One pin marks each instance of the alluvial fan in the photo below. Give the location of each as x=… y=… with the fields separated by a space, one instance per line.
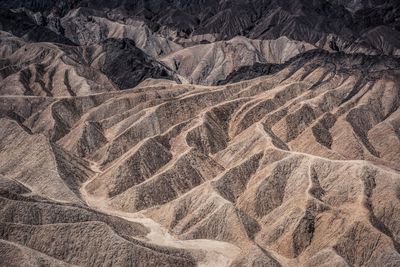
x=200 y=133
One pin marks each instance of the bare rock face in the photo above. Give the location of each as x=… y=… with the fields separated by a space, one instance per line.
x=210 y=63
x=45 y=69
x=137 y=66
x=164 y=26
x=298 y=167
x=29 y=26
x=199 y=133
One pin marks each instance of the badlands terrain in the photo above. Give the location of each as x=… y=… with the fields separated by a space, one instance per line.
x=199 y=133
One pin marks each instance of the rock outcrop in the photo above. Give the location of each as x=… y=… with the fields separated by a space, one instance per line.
x=298 y=167
x=199 y=133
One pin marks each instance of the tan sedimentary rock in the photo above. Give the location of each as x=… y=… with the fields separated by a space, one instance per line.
x=210 y=63
x=296 y=168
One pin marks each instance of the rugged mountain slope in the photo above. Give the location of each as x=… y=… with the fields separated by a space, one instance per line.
x=57 y=70
x=199 y=133
x=37 y=231
x=210 y=63
x=157 y=32
x=24 y=25
x=286 y=169
x=338 y=24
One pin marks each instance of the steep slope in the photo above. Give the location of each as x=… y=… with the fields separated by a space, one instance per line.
x=46 y=69
x=210 y=63
x=24 y=24
x=166 y=25
x=95 y=26
x=199 y=133
x=36 y=231
x=285 y=169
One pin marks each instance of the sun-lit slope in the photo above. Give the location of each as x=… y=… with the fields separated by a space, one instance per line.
x=210 y=63
x=48 y=69
x=37 y=231
x=299 y=167
x=199 y=133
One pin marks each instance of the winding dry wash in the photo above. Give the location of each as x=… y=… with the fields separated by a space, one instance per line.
x=199 y=133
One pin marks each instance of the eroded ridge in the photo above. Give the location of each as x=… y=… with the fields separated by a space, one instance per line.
x=300 y=167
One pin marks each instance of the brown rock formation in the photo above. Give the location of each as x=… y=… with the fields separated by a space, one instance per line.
x=199 y=133
x=295 y=168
